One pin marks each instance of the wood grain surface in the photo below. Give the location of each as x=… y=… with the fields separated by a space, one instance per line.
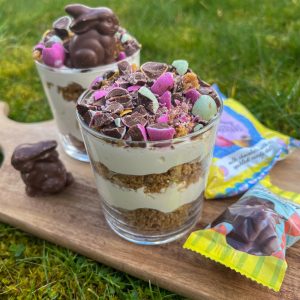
x=74 y=219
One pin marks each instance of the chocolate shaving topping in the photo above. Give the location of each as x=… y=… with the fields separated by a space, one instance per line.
x=126 y=102
x=135 y=133
x=137 y=78
x=147 y=103
x=154 y=69
x=108 y=75
x=144 y=104
x=141 y=110
x=120 y=95
x=130 y=47
x=122 y=82
x=116 y=93
x=100 y=119
x=124 y=68
x=82 y=108
x=100 y=102
x=116 y=132
x=87 y=117
x=114 y=107
x=134 y=119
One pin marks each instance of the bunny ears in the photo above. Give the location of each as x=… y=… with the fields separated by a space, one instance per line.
x=27 y=152
x=83 y=14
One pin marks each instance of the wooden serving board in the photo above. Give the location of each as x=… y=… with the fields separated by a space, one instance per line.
x=74 y=219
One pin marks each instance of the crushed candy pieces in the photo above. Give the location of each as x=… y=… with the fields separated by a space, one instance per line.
x=149 y=103
x=192 y=95
x=205 y=107
x=181 y=66
x=154 y=69
x=54 y=56
x=166 y=99
x=160 y=131
x=149 y=99
x=163 y=83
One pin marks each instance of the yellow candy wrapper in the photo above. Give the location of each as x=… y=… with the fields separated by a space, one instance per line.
x=252 y=235
x=245 y=151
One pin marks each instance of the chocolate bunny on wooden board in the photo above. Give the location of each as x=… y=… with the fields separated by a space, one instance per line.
x=93 y=43
x=41 y=170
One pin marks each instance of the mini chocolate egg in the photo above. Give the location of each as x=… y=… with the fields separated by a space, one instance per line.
x=205 y=107
x=181 y=66
x=144 y=91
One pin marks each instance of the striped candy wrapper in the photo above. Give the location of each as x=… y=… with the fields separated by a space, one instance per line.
x=252 y=235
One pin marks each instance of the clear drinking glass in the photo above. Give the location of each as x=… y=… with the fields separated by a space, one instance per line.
x=63 y=87
x=151 y=192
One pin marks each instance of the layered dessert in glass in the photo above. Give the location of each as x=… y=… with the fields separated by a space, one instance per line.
x=77 y=49
x=149 y=133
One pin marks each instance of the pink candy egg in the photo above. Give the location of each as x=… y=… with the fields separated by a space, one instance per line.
x=192 y=95
x=160 y=132
x=163 y=83
x=54 y=56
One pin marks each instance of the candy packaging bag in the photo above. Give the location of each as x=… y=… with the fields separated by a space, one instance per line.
x=252 y=235
x=245 y=151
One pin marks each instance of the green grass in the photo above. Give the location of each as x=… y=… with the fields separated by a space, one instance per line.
x=250 y=48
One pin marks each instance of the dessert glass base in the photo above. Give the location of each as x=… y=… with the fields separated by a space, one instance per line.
x=131 y=232
x=63 y=86
x=74 y=147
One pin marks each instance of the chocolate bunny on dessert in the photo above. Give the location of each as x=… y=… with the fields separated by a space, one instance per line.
x=93 y=43
x=41 y=170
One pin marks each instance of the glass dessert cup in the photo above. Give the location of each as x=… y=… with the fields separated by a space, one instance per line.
x=151 y=192
x=63 y=86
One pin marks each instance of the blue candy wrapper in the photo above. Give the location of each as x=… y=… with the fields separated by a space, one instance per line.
x=245 y=151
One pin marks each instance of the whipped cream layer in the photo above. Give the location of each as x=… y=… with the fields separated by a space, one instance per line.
x=53 y=78
x=167 y=201
x=143 y=161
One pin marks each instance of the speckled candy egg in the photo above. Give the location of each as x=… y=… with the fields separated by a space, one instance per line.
x=205 y=107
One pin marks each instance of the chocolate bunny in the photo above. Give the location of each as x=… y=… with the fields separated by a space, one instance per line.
x=254 y=226
x=93 y=43
x=41 y=170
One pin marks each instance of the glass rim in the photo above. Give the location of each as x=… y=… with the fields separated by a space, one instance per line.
x=189 y=136
x=66 y=70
